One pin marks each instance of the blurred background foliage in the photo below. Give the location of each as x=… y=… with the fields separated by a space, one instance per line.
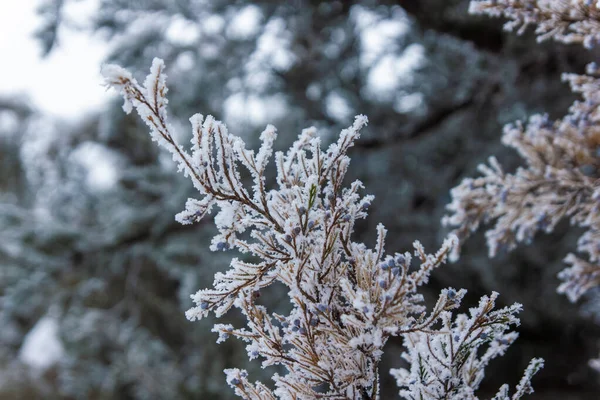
x=92 y=260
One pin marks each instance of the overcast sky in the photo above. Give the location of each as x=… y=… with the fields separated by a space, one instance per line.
x=65 y=83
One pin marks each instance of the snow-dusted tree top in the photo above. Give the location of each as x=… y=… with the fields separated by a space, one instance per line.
x=346 y=299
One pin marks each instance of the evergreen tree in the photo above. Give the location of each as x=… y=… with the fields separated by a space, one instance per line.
x=107 y=260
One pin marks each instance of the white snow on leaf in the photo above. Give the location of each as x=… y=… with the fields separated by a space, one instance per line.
x=273 y=48
x=9 y=122
x=379 y=35
x=100 y=163
x=42 y=347
x=337 y=107
x=182 y=31
x=246 y=23
x=392 y=72
x=258 y=110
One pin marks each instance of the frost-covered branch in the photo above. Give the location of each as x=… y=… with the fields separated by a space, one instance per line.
x=568 y=21
x=347 y=300
x=559 y=181
x=561 y=176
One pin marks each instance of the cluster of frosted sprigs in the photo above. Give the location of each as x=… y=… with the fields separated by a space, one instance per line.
x=347 y=299
x=568 y=21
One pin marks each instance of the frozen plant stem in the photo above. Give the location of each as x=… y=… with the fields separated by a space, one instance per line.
x=347 y=299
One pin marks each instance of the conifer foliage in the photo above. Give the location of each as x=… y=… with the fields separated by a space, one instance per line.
x=560 y=178
x=346 y=299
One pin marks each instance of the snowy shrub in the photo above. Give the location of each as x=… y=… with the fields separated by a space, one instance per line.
x=346 y=300
x=561 y=176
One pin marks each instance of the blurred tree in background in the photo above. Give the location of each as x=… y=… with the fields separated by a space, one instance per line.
x=89 y=243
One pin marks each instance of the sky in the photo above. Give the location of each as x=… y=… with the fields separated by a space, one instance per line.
x=67 y=82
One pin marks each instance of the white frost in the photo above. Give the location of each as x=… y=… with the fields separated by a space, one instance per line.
x=42 y=347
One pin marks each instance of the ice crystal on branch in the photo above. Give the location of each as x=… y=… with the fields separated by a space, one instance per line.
x=347 y=300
